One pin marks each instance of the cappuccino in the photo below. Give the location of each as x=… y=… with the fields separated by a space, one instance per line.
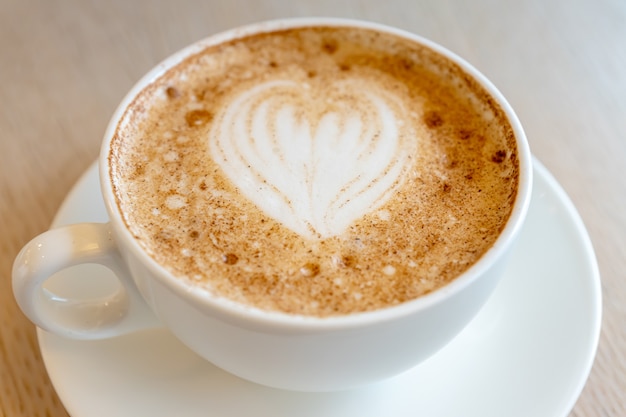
x=316 y=171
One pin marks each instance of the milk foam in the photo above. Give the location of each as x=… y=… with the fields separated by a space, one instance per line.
x=317 y=171
x=314 y=161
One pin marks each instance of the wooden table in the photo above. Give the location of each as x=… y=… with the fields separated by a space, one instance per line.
x=66 y=64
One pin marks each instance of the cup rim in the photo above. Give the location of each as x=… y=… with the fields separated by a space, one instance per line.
x=229 y=310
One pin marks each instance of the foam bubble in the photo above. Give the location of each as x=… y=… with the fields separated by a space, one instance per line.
x=171 y=156
x=175 y=202
x=384 y=215
x=389 y=270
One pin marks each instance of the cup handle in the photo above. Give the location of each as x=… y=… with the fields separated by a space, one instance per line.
x=121 y=312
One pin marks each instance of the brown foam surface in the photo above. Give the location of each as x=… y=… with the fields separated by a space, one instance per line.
x=447 y=210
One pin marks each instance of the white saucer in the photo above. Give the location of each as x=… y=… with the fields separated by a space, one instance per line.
x=528 y=353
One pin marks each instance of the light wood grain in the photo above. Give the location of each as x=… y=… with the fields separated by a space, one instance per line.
x=66 y=64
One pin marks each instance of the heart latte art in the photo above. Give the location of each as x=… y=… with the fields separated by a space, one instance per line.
x=313 y=161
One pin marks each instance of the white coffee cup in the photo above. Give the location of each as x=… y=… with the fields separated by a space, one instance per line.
x=270 y=348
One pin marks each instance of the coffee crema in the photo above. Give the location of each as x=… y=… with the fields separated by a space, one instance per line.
x=316 y=171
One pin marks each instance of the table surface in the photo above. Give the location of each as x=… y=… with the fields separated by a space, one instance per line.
x=66 y=64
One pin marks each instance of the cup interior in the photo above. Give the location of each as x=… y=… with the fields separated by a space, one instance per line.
x=234 y=311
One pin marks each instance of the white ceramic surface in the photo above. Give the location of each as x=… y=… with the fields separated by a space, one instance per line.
x=527 y=353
